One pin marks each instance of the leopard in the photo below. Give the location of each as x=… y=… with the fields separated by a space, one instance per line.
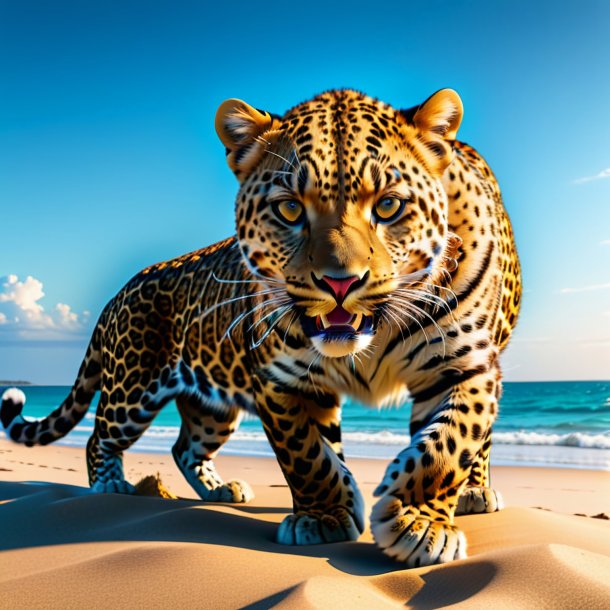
x=373 y=260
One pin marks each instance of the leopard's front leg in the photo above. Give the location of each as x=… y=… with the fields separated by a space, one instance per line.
x=478 y=496
x=327 y=504
x=413 y=519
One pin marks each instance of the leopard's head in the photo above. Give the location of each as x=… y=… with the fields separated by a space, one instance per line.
x=341 y=204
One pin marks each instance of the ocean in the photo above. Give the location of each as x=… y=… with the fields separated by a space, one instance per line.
x=552 y=424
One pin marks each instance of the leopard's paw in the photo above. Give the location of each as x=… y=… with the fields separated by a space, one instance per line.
x=237 y=492
x=318 y=528
x=112 y=486
x=479 y=500
x=407 y=535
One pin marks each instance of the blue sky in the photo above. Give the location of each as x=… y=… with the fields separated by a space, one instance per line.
x=109 y=160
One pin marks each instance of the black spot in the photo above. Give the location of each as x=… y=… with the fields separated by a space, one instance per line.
x=294 y=444
x=44 y=439
x=465 y=459
x=274 y=407
x=152 y=341
x=187 y=375
x=448 y=479
x=282 y=455
x=131 y=431
x=238 y=377
x=476 y=432
x=134 y=396
x=314 y=451
x=426 y=460
x=302 y=467
x=284 y=424
x=324 y=469
x=93 y=368
x=82 y=397
x=427 y=481
x=117 y=397
x=451 y=446
x=462 y=351
x=138 y=416
x=9 y=411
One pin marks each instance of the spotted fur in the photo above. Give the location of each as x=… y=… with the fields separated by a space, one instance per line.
x=286 y=318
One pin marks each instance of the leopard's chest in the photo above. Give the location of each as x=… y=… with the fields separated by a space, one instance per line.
x=377 y=379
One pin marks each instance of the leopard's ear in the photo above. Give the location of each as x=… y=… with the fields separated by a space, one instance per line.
x=242 y=129
x=438 y=120
x=441 y=114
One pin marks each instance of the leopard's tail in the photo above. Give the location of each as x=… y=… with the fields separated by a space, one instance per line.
x=66 y=416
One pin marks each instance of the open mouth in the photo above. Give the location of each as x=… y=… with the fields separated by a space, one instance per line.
x=337 y=325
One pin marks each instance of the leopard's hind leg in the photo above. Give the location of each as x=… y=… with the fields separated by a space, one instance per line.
x=105 y=466
x=120 y=421
x=478 y=496
x=202 y=434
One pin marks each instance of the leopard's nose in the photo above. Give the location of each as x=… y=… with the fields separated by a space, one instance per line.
x=339 y=287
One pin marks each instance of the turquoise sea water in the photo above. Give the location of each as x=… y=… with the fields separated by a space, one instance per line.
x=561 y=424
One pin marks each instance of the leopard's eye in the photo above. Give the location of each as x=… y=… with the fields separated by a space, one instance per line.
x=388 y=209
x=289 y=211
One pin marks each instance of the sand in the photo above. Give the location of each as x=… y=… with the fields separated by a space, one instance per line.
x=63 y=547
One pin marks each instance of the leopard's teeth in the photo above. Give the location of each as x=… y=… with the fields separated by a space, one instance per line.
x=325 y=321
x=357 y=321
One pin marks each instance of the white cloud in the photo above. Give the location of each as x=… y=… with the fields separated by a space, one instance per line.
x=22 y=313
x=605 y=242
x=585 y=288
x=605 y=173
x=66 y=317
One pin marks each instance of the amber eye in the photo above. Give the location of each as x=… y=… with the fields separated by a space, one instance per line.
x=289 y=211
x=388 y=209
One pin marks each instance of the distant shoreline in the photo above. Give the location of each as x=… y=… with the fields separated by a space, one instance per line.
x=5 y=383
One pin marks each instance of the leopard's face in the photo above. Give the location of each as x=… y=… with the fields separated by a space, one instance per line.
x=341 y=205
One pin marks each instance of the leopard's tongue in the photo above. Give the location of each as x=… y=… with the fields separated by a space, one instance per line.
x=339 y=317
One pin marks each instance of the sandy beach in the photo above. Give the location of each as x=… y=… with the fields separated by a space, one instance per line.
x=65 y=548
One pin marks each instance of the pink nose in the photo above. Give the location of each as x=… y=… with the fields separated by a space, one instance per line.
x=339 y=286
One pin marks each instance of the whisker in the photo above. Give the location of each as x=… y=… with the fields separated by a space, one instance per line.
x=438 y=328
x=294 y=317
x=228 y=281
x=434 y=300
x=396 y=321
x=242 y=297
x=314 y=360
x=282 y=304
x=401 y=313
x=244 y=314
x=267 y=332
x=280 y=157
x=247 y=313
